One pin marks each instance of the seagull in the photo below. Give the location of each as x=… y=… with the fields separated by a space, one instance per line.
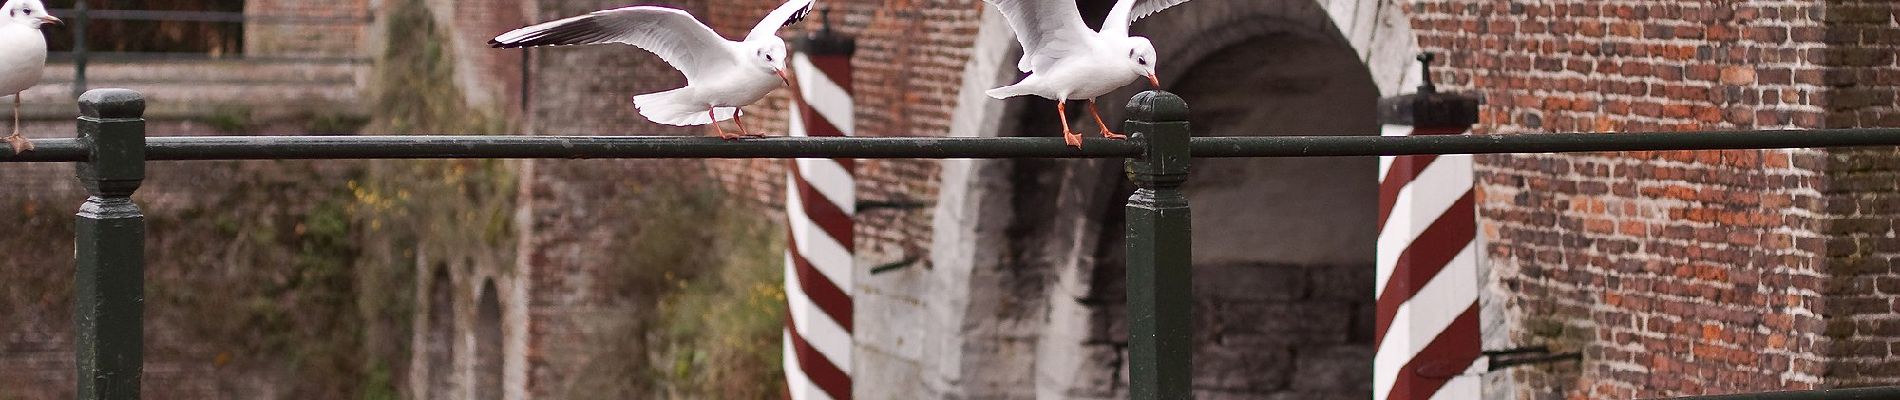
x=22 y=56
x=1068 y=61
x=721 y=75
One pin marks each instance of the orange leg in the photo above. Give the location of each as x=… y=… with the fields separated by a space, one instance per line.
x=1068 y=136
x=715 y=123
x=1098 y=122
x=742 y=130
x=19 y=143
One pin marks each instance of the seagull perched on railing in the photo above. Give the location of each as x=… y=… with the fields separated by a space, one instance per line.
x=1068 y=61
x=22 y=56
x=721 y=75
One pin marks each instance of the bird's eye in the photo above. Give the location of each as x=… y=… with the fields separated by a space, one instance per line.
x=1142 y=61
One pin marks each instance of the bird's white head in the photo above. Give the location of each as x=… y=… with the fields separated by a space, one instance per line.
x=29 y=12
x=769 y=55
x=1141 y=57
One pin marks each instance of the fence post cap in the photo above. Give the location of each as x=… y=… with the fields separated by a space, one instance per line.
x=1157 y=106
x=112 y=103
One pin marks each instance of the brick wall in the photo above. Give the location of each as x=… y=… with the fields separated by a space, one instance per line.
x=490 y=79
x=573 y=206
x=1862 y=251
x=908 y=56
x=1682 y=272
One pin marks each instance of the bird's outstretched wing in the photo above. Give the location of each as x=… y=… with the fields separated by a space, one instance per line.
x=672 y=34
x=785 y=15
x=1126 y=12
x=1048 y=30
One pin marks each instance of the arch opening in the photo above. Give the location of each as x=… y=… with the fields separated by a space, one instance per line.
x=1284 y=247
x=438 y=343
x=488 y=344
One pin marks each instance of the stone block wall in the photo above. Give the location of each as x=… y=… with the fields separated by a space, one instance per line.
x=341 y=37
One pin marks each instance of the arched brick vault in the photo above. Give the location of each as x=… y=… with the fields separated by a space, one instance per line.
x=1015 y=290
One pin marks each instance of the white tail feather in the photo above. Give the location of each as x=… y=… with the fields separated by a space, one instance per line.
x=1005 y=92
x=667 y=108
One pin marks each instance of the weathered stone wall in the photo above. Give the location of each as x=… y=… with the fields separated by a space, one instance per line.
x=570 y=211
x=1024 y=298
x=205 y=304
x=339 y=35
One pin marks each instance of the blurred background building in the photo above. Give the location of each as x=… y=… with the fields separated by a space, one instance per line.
x=1669 y=273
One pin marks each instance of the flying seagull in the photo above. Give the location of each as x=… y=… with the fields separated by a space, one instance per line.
x=721 y=75
x=1068 y=61
x=22 y=56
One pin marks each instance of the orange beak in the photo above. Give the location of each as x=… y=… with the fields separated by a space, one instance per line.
x=782 y=77
x=52 y=20
x=1152 y=80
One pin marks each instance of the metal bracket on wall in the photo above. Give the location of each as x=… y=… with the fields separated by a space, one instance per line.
x=896 y=265
x=895 y=204
x=1501 y=359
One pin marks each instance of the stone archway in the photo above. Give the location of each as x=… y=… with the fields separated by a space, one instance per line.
x=1027 y=252
x=1283 y=247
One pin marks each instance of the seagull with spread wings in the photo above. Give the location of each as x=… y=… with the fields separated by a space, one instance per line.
x=721 y=75
x=1067 y=61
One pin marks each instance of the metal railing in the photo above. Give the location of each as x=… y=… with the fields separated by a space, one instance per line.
x=111 y=152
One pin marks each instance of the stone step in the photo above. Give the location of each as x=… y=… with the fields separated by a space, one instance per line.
x=211 y=89
x=210 y=71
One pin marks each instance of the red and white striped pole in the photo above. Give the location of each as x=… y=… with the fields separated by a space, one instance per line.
x=820 y=198
x=1427 y=336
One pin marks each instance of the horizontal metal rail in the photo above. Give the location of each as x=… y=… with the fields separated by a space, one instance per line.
x=1866 y=393
x=401 y=147
x=214 y=16
x=415 y=147
x=1330 y=146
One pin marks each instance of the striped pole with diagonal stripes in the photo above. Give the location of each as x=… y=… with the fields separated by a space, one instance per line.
x=1426 y=335
x=820 y=198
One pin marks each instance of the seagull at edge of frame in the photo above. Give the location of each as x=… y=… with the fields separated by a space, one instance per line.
x=22 y=56
x=1067 y=61
x=721 y=75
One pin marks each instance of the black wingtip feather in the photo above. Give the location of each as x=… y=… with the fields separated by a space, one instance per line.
x=581 y=31
x=798 y=16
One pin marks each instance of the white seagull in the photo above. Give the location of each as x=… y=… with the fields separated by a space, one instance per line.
x=721 y=75
x=1068 y=61
x=22 y=56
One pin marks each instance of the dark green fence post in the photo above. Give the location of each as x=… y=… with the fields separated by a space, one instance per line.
x=110 y=246
x=1160 y=301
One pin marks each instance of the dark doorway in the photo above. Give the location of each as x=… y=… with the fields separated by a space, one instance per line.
x=488 y=344
x=439 y=343
x=1283 y=247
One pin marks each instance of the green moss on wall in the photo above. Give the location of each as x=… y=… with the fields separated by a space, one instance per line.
x=715 y=276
